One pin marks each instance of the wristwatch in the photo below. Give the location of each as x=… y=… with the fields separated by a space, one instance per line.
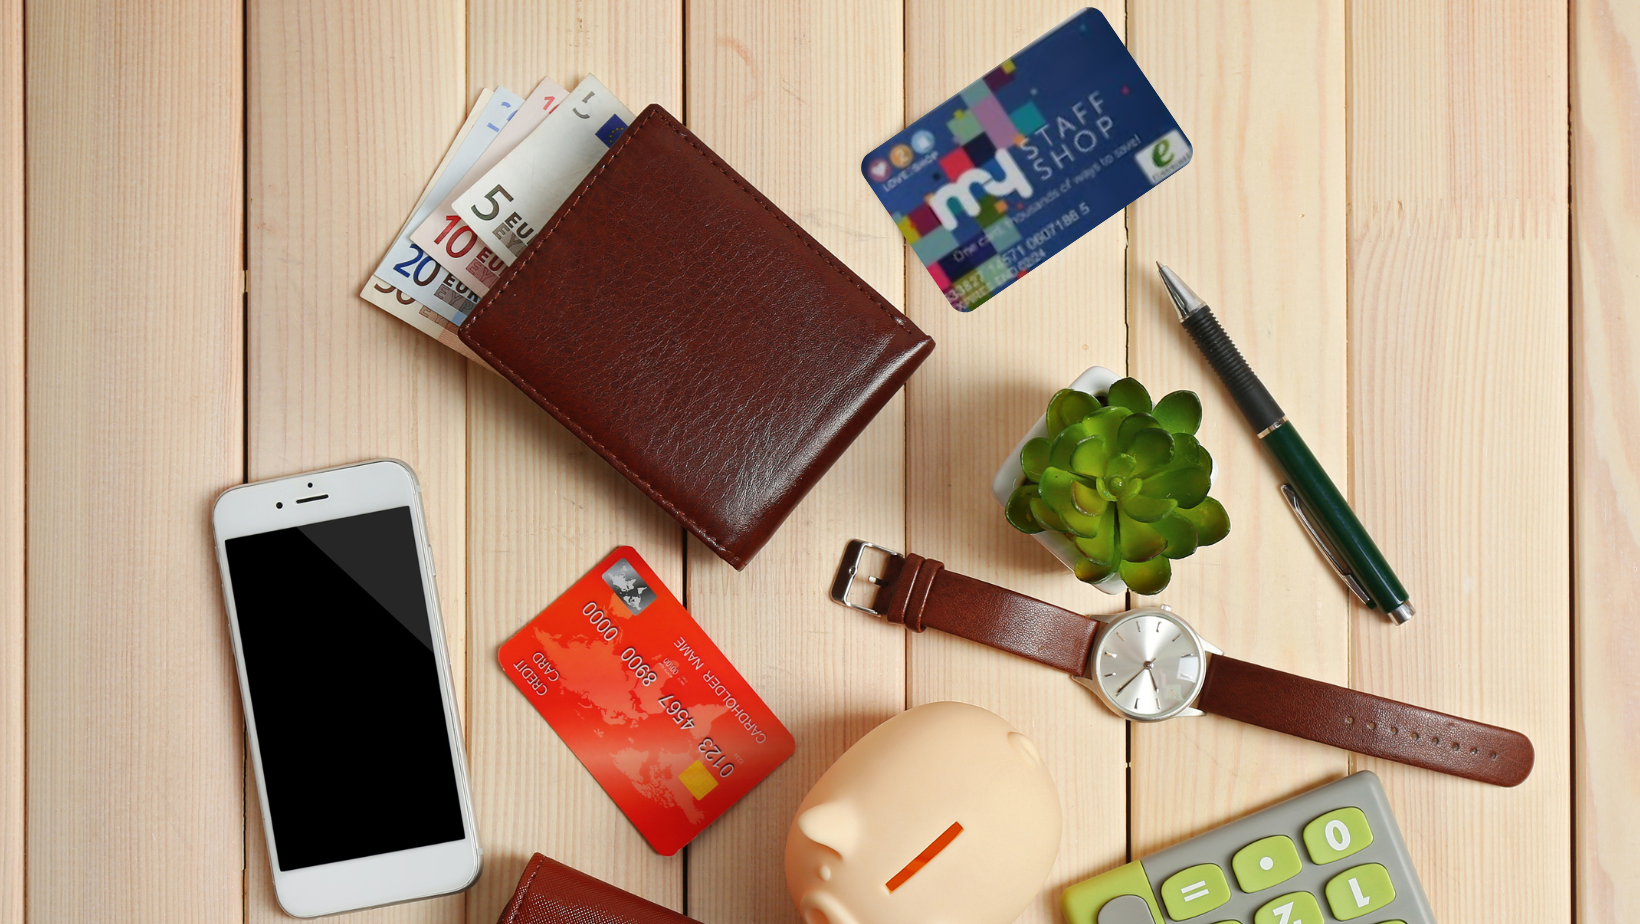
x=1148 y=664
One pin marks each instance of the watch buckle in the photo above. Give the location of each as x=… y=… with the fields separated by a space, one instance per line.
x=849 y=569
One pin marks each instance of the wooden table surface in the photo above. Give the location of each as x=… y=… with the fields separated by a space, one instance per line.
x=1420 y=220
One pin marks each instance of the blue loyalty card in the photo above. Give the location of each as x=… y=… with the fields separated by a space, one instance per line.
x=1026 y=159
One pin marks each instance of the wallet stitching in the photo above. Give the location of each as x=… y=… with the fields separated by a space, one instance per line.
x=594 y=442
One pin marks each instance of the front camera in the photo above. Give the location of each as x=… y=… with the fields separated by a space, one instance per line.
x=279 y=506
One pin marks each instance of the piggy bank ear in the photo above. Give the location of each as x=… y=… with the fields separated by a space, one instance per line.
x=1025 y=749
x=832 y=824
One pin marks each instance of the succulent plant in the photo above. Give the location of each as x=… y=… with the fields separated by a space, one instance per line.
x=1124 y=480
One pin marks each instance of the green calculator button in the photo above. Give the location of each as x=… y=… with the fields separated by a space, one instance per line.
x=1195 y=891
x=1125 y=909
x=1360 y=890
x=1266 y=862
x=1292 y=908
x=1337 y=834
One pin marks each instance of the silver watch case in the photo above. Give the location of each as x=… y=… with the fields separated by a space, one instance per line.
x=1188 y=706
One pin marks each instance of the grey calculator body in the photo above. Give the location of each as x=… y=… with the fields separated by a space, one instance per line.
x=1339 y=845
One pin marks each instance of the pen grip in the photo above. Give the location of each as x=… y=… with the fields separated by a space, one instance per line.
x=1343 y=528
x=1250 y=395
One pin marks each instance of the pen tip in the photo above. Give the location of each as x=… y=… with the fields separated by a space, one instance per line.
x=1186 y=301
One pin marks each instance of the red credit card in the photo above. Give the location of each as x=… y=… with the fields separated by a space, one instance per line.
x=648 y=704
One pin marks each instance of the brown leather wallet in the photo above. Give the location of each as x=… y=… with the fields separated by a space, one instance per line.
x=551 y=893
x=921 y=593
x=686 y=330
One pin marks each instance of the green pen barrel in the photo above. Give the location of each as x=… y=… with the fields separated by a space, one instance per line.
x=1333 y=514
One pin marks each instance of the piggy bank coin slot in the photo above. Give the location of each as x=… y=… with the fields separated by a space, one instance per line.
x=922 y=859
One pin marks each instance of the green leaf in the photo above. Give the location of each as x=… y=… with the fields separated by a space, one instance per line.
x=1205 y=461
x=1130 y=429
x=1068 y=406
x=1186 y=485
x=1045 y=515
x=1056 y=492
x=1018 y=509
x=1101 y=547
x=1153 y=448
x=1186 y=448
x=1139 y=541
x=1147 y=509
x=1051 y=418
x=1055 y=489
x=1079 y=524
x=1033 y=458
x=1179 y=412
x=1076 y=405
x=1059 y=454
x=1088 y=500
x=1148 y=577
x=1090 y=456
x=1106 y=421
x=1130 y=394
x=1210 y=520
x=1092 y=572
x=1120 y=465
x=1180 y=534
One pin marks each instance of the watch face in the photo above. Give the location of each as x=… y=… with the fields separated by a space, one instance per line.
x=1148 y=664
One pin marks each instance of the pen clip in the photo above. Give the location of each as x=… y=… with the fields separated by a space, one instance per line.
x=1327 y=551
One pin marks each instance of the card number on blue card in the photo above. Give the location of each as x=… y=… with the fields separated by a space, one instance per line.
x=1027 y=159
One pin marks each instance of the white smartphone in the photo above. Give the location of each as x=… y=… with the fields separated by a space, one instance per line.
x=345 y=678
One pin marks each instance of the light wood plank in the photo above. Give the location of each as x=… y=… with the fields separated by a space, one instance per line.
x=792 y=95
x=135 y=410
x=1255 y=224
x=351 y=107
x=1458 y=377
x=12 y=505
x=985 y=385
x=543 y=508
x=1606 y=456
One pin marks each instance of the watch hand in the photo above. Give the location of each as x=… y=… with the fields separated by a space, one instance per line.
x=1131 y=679
x=1155 y=688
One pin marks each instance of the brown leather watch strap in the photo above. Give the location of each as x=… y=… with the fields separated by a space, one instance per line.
x=1364 y=723
x=919 y=593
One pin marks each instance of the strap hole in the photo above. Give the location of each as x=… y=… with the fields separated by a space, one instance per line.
x=1494 y=755
x=1474 y=751
x=1349 y=720
x=1433 y=739
x=1414 y=736
x=1395 y=729
x=1372 y=725
x=1454 y=745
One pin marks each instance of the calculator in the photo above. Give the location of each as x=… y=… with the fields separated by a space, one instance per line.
x=1332 y=854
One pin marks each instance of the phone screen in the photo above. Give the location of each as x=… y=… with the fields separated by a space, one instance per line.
x=344 y=689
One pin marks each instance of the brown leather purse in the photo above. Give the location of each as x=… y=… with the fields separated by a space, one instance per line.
x=551 y=893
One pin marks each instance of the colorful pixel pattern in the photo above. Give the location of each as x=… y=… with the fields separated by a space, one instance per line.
x=967 y=263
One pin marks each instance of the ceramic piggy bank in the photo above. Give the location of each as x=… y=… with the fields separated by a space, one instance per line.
x=942 y=815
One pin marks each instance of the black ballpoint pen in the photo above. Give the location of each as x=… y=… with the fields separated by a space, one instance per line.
x=1320 y=507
